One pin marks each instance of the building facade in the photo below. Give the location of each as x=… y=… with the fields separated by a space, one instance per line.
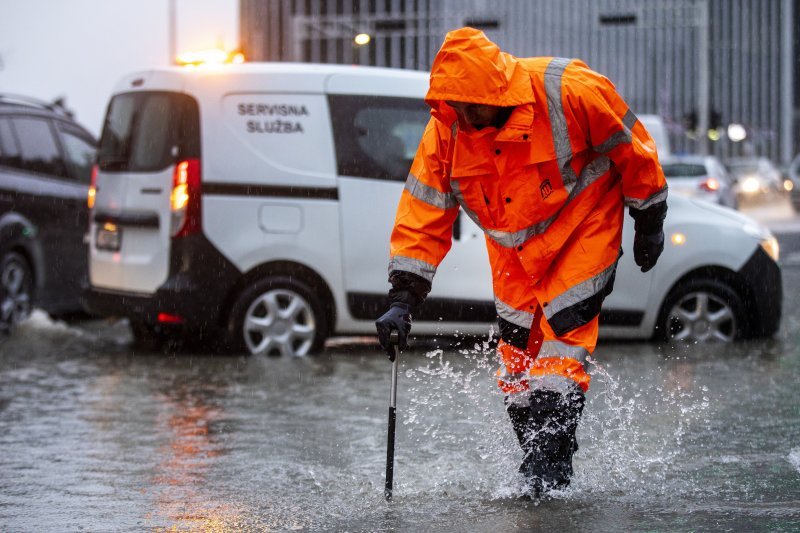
x=700 y=64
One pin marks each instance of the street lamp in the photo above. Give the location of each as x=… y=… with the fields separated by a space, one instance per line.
x=362 y=39
x=736 y=132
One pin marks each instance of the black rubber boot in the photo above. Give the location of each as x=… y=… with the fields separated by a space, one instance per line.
x=546 y=432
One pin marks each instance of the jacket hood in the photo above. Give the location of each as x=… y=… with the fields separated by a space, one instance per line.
x=471 y=68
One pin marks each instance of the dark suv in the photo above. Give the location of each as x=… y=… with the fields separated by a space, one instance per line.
x=45 y=170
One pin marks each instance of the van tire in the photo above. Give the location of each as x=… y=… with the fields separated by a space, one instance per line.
x=277 y=315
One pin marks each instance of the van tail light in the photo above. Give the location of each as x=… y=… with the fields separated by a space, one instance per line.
x=710 y=185
x=185 y=199
x=169 y=318
x=92 y=194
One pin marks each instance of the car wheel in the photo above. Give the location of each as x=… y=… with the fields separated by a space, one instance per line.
x=16 y=290
x=702 y=310
x=277 y=316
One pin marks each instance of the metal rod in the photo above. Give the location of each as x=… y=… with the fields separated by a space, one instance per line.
x=387 y=491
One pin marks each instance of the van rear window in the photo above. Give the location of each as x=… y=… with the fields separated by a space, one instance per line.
x=377 y=136
x=149 y=131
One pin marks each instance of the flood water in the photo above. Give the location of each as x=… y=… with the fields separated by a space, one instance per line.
x=96 y=435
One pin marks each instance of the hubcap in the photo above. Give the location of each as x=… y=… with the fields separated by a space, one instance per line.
x=701 y=316
x=279 y=322
x=15 y=305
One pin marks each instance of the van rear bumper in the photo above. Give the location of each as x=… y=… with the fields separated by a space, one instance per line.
x=193 y=306
x=199 y=282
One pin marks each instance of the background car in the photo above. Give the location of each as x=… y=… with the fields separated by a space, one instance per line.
x=794 y=177
x=45 y=169
x=755 y=179
x=702 y=177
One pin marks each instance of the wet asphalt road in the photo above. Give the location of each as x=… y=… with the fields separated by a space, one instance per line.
x=96 y=435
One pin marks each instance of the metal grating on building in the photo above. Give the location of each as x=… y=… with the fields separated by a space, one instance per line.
x=699 y=64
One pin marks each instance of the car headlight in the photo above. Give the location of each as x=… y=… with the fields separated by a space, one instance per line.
x=770 y=245
x=751 y=184
x=765 y=238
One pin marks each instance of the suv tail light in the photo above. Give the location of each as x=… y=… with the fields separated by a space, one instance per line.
x=710 y=185
x=90 y=196
x=185 y=199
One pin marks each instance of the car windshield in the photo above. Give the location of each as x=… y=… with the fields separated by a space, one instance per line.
x=683 y=170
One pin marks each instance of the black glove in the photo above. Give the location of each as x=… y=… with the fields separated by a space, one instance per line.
x=647 y=247
x=398 y=317
x=648 y=237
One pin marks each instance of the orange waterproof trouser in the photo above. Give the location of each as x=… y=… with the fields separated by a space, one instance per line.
x=518 y=365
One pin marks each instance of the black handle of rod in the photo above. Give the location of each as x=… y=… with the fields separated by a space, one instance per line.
x=387 y=491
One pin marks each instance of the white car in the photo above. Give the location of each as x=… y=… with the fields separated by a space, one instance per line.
x=794 y=177
x=254 y=203
x=755 y=178
x=701 y=177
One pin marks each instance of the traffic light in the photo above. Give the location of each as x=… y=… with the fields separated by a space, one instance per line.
x=690 y=121
x=714 y=119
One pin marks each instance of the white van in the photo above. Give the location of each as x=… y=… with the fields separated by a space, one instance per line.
x=255 y=202
x=655 y=126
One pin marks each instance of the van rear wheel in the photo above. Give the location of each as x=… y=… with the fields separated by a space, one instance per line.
x=277 y=316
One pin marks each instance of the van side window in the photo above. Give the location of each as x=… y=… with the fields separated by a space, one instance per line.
x=377 y=136
x=38 y=149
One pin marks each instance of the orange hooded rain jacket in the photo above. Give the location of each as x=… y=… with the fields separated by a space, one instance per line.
x=548 y=189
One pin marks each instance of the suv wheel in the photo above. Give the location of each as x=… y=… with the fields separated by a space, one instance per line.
x=277 y=316
x=702 y=310
x=16 y=290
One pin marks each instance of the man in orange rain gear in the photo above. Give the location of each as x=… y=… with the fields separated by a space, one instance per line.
x=543 y=154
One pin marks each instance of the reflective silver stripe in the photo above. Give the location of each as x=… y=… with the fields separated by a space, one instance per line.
x=562 y=349
x=579 y=292
x=515 y=316
x=521 y=398
x=590 y=173
x=636 y=203
x=512 y=239
x=629 y=119
x=429 y=195
x=621 y=137
x=415 y=266
x=553 y=382
x=558 y=121
x=507 y=377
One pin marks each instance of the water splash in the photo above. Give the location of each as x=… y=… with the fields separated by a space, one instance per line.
x=794 y=458
x=631 y=437
x=631 y=444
